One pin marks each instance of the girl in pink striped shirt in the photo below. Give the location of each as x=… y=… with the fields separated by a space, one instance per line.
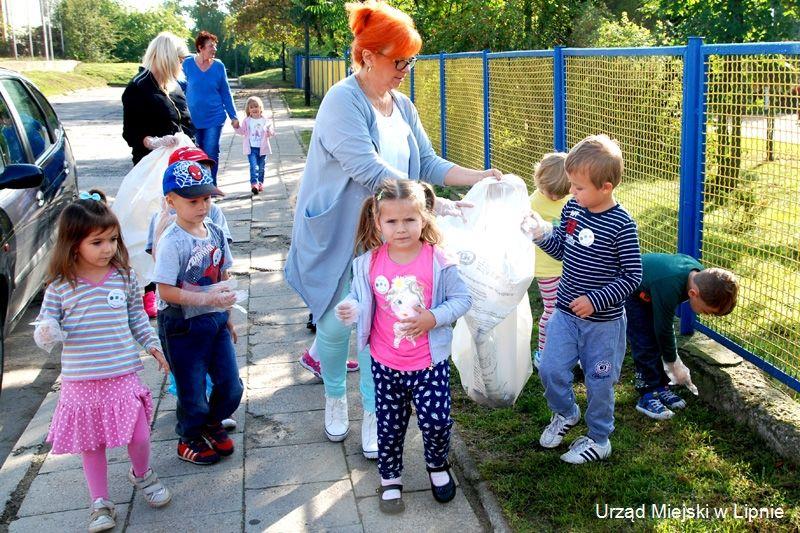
x=93 y=304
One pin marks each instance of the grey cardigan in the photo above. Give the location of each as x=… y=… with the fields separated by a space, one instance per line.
x=450 y=299
x=343 y=167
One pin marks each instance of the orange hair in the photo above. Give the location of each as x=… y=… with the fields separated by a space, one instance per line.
x=379 y=27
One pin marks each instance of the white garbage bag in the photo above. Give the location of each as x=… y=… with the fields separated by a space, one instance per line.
x=138 y=199
x=491 y=343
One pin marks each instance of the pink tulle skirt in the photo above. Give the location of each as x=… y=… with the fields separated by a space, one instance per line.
x=98 y=412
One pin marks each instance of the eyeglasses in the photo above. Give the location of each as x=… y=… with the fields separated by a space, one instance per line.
x=401 y=64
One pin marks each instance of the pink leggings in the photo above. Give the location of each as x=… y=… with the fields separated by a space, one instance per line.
x=95 y=467
x=548 y=287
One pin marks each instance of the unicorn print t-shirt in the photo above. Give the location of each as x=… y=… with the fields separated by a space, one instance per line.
x=398 y=289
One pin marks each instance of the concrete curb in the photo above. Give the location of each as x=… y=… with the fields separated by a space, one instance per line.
x=494 y=513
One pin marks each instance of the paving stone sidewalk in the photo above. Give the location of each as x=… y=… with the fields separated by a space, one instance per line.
x=285 y=475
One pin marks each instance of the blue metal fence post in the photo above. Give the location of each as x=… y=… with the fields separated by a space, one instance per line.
x=692 y=146
x=559 y=100
x=487 y=147
x=443 y=104
x=411 y=86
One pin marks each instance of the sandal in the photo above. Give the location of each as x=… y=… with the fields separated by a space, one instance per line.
x=102 y=516
x=156 y=494
x=393 y=506
x=444 y=493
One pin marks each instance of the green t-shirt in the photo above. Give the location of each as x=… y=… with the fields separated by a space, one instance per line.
x=664 y=284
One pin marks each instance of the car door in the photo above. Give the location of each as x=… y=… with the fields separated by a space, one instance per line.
x=33 y=246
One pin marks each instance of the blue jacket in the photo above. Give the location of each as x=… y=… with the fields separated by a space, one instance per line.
x=208 y=94
x=450 y=299
x=343 y=167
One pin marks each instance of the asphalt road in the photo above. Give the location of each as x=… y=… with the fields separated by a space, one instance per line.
x=93 y=120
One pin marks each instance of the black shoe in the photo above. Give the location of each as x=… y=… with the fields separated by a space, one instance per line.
x=310 y=324
x=254 y=189
x=447 y=492
x=391 y=506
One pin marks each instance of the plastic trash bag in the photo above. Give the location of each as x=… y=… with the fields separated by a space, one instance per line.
x=496 y=262
x=138 y=199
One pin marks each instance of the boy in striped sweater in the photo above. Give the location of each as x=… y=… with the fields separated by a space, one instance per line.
x=598 y=244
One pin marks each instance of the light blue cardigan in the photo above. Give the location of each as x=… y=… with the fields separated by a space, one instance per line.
x=343 y=167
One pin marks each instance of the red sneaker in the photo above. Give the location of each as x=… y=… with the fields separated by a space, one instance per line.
x=310 y=364
x=149 y=302
x=260 y=187
x=218 y=438
x=352 y=366
x=197 y=452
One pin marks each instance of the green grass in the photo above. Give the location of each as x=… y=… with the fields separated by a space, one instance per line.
x=294 y=98
x=55 y=83
x=267 y=78
x=698 y=458
x=295 y=101
x=305 y=138
x=114 y=74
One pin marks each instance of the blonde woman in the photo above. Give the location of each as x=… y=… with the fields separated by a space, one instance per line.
x=153 y=104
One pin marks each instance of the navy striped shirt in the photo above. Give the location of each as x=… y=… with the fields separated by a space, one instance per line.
x=601 y=258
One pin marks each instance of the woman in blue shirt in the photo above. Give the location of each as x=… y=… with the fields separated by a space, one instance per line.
x=208 y=95
x=365 y=132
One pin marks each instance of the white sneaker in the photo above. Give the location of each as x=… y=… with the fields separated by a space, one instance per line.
x=584 y=450
x=102 y=516
x=337 y=422
x=369 y=435
x=156 y=494
x=554 y=433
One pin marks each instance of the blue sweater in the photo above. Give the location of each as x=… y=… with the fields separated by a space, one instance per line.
x=343 y=168
x=208 y=94
x=601 y=258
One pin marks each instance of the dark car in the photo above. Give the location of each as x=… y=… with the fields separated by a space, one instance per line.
x=37 y=180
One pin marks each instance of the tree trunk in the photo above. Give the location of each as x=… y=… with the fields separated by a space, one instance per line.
x=283 y=60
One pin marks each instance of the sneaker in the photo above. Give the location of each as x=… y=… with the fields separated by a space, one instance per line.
x=352 y=366
x=102 y=516
x=149 y=303
x=669 y=398
x=229 y=424
x=254 y=188
x=554 y=433
x=584 y=450
x=260 y=186
x=650 y=405
x=537 y=359
x=310 y=364
x=218 y=438
x=197 y=451
x=369 y=435
x=156 y=494
x=337 y=422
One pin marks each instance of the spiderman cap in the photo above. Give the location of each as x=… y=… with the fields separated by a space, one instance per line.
x=189 y=180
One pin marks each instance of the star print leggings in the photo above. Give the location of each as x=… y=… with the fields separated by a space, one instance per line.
x=395 y=390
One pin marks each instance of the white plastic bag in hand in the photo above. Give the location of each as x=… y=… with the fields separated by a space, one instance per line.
x=535 y=228
x=47 y=334
x=679 y=374
x=347 y=311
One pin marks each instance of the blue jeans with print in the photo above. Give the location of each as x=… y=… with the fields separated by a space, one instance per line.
x=208 y=141
x=195 y=347
x=600 y=347
x=395 y=390
x=649 y=372
x=257 y=164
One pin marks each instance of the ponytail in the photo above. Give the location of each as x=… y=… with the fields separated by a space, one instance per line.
x=367 y=235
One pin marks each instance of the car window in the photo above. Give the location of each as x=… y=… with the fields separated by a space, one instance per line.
x=49 y=113
x=33 y=121
x=10 y=143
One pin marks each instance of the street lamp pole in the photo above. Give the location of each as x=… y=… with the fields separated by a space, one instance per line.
x=307 y=83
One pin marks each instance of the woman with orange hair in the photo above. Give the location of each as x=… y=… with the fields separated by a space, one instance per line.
x=366 y=132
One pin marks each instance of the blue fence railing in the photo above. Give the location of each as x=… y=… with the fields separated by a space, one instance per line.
x=711 y=139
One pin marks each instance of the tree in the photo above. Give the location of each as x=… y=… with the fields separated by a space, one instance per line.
x=90 y=28
x=136 y=29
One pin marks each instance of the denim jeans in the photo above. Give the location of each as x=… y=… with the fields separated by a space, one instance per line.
x=195 y=347
x=257 y=164
x=600 y=347
x=208 y=141
x=648 y=369
x=333 y=345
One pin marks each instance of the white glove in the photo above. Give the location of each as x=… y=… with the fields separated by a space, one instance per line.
x=447 y=208
x=47 y=334
x=347 y=311
x=220 y=297
x=151 y=143
x=679 y=374
x=535 y=228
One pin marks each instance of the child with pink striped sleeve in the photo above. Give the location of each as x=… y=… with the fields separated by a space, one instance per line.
x=549 y=198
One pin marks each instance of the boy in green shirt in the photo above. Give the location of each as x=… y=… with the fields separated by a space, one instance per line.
x=667 y=281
